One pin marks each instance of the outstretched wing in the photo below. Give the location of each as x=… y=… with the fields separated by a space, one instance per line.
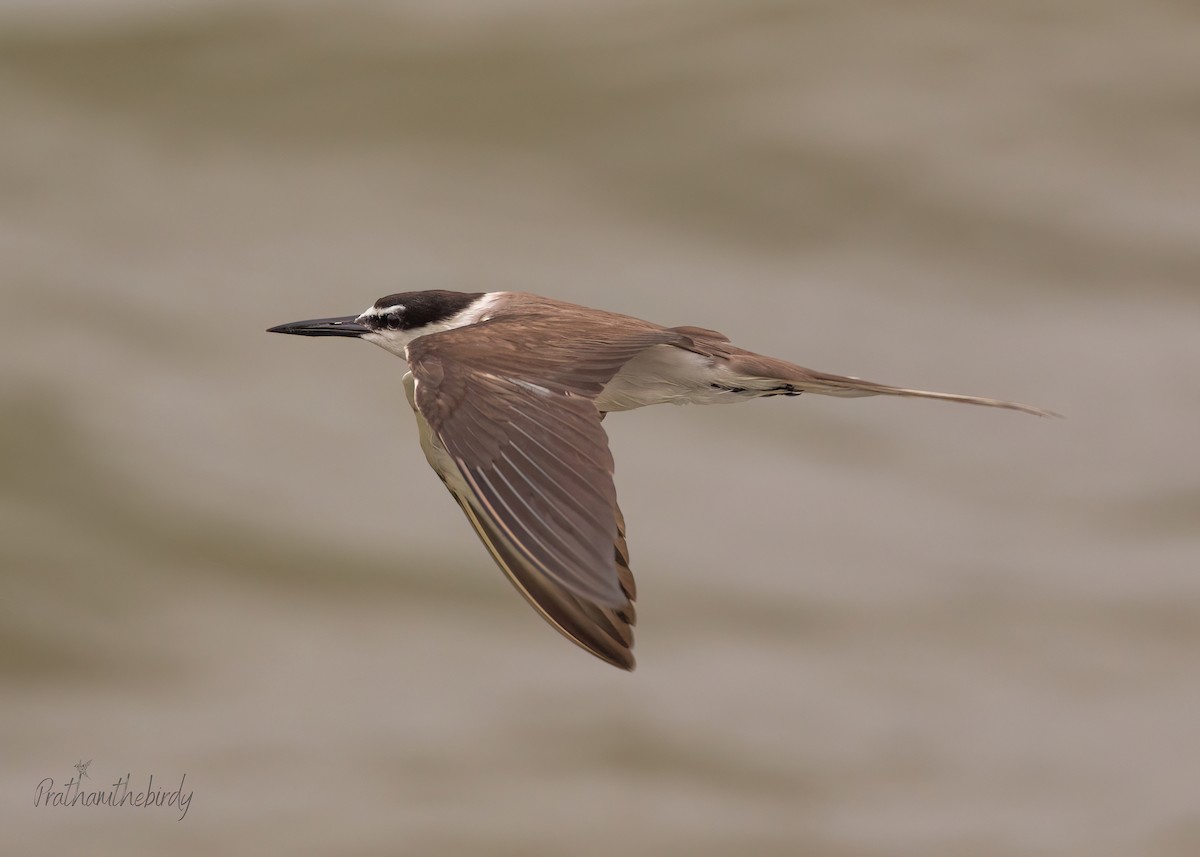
x=517 y=439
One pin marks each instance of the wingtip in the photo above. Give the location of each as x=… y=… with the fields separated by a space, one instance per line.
x=623 y=661
x=612 y=652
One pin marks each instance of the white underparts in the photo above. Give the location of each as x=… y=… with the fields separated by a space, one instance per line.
x=666 y=374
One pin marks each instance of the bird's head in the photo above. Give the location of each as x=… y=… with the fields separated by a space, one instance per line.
x=393 y=321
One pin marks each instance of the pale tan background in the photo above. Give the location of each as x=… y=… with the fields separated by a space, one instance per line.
x=867 y=627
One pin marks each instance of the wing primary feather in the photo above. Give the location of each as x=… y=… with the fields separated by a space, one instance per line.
x=567 y=435
x=491 y=495
x=574 y=554
x=563 y=564
x=560 y=492
x=564 y=613
x=573 y=515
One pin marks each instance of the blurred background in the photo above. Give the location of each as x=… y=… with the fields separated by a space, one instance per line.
x=868 y=627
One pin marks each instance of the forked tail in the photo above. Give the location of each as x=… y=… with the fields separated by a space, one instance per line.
x=843 y=385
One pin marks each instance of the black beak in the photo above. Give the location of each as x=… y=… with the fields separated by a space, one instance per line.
x=347 y=325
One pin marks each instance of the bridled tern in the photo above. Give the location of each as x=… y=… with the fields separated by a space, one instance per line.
x=509 y=391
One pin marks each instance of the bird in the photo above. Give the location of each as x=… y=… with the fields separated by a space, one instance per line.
x=510 y=390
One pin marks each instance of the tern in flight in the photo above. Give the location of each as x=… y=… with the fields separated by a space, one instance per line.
x=509 y=390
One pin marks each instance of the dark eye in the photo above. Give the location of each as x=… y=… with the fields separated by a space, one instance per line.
x=393 y=321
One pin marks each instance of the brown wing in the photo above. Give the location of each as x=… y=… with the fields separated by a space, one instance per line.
x=606 y=632
x=522 y=431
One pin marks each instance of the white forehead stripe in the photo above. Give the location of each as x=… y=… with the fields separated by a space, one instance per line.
x=373 y=310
